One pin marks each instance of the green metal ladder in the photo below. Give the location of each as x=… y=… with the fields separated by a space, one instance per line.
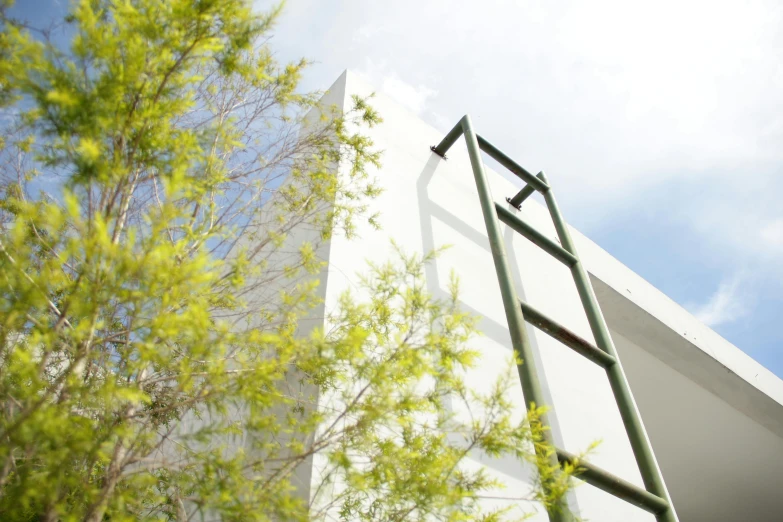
x=654 y=498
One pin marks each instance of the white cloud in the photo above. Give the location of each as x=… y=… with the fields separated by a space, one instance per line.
x=412 y=97
x=729 y=303
x=366 y=32
x=605 y=95
x=772 y=234
x=618 y=101
x=744 y=230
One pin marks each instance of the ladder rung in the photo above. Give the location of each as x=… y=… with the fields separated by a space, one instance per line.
x=511 y=165
x=566 y=336
x=549 y=246
x=614 y=485
x=522 y=195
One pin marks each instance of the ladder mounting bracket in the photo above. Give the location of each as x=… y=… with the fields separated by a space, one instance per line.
x=433 y=149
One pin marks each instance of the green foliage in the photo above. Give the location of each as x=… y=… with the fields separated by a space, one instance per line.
x=154 y=362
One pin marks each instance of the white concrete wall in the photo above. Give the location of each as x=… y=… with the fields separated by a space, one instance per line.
x=719 y=464
x=266 y=288
x=691 y=381
x=429 y=202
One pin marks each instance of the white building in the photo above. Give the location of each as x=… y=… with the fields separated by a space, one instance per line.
x=713 y=415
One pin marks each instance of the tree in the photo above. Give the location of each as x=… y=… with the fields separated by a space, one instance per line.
x=153 y=358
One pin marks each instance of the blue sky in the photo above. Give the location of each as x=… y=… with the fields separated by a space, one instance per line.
x=660 y=124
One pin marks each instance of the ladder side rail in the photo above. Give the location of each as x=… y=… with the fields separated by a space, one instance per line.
x=640 y=443
x=528 y=376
